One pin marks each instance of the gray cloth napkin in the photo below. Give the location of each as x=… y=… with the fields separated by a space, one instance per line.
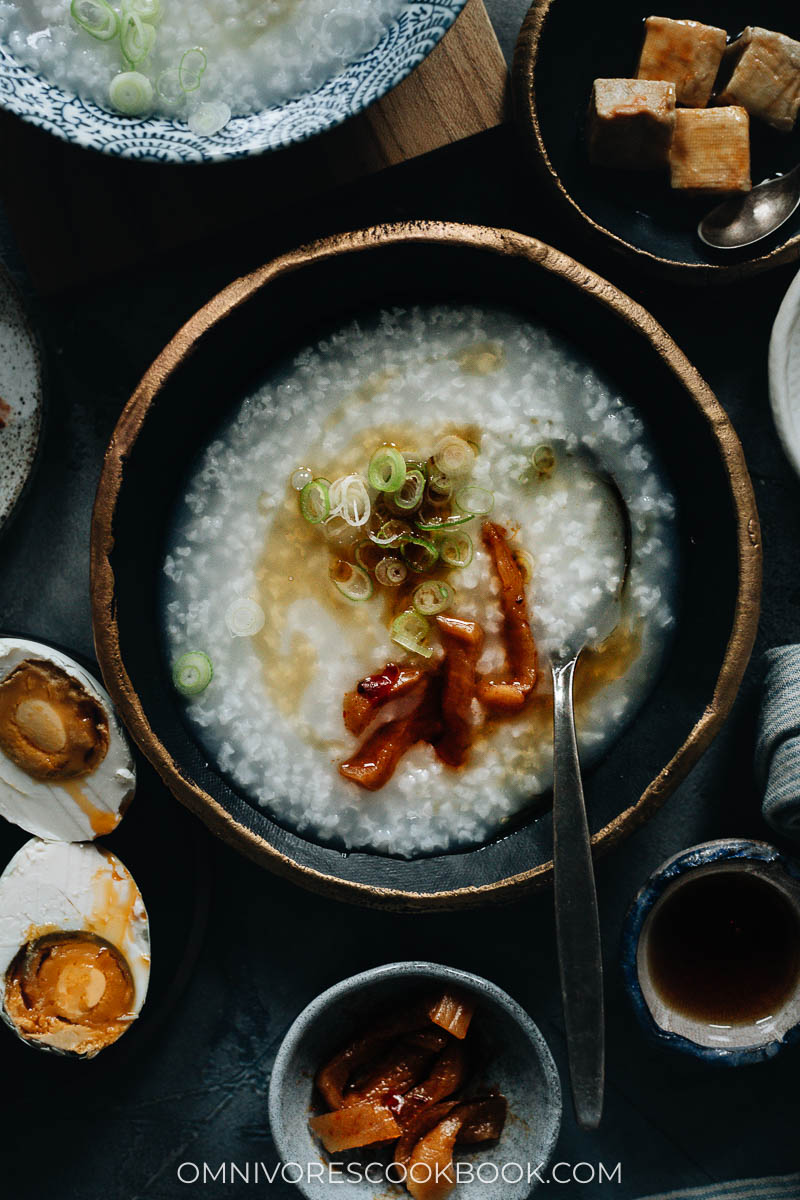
x=775 y=1187
x=778 y=743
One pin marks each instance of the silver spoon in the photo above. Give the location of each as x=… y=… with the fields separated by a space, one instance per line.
x=748 y=218
x=577 y=921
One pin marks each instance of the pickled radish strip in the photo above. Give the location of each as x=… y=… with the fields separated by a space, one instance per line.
x=453 y=1012
x=359 y=1125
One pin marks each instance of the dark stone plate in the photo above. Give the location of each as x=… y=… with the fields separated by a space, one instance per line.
x=223 y=353
x=562 y=48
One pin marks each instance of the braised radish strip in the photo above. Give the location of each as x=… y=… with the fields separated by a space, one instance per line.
x=462 y=642
x=374 y=691
x=521 y=657
x=376 y=760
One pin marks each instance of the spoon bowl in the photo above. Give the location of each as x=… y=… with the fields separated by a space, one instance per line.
x=743 y=220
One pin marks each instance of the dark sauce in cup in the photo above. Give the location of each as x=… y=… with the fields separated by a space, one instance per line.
x=725 y=948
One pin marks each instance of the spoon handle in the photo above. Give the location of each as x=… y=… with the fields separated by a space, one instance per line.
x=577 y=922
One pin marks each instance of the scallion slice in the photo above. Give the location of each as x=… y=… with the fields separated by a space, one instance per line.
x=410 y=630
x=454 y=457
x=391 y=533
x=137 y=38
x=192 y=673
x=391 y=572
x=409 y=496
x=351 y=580
x=168 y=86
x=368 y=555
x=434 y=524
x=192 y=69
x=455 y=548
x=432 y=597
x=315 y=501
x=244 y=617
x=387 y=470
x=96 y=17
x=543 y=459
x=209 y=118
x=148 y=10
x=419 y=553
x=350 y=499
x=474 y=500
x=131 y=93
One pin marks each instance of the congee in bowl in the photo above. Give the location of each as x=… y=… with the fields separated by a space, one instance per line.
x=375 y=558
x=350 y=513
x=202 y=60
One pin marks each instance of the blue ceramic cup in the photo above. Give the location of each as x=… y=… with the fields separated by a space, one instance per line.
x=683 y=1027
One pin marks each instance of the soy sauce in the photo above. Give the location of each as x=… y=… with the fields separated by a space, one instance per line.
x=725 y=949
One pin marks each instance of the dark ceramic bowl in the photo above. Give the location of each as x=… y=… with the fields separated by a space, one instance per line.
x=519 y=1063
x=563 y=47
x=225 y=350
x=735 y=1044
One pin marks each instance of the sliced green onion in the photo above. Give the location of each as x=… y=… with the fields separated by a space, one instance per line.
x=148 y=10
x=453 y=456
x=337 y=531
x=169 y=87
x=137 y=38
x=299 y=478
x=351 y=580
x=209 y=118
x=192 y=69
x=387 y=470
x=440 y=486
x=391 y=533
x=192 y=673
x=455 y=548
x=525 y=563
x=432 y=597
x=244 y=617
x=315 y=501
x=543 y=459
x=96 y=17
x=350 y=499
x=131 y=93
x=368 y=555
x=441 y=523
x=410 y=630
x=409 y=496
x=474 y=500
x=416 y=464
x=419 y=553
x=391 y=572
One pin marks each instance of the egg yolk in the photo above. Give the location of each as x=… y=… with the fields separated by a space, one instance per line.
x=50 y=726
x=70 y=990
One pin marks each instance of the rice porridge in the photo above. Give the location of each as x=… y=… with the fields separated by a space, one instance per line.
x=199 y=59
x=360 y=657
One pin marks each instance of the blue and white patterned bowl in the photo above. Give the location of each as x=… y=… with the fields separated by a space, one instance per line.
x=735 y=1045
x=405 y=43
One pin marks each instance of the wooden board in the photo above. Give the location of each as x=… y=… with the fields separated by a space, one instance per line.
x=79 y=215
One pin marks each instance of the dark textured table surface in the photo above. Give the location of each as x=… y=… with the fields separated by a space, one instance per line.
x=195 y=1089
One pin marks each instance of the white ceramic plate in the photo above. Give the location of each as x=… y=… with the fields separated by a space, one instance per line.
x=20 y=397
x=784 y=373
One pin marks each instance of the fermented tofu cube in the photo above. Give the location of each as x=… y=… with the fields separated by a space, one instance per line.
x=765 y=76
x=686 y=53
x=630 y=123
x=710 y=151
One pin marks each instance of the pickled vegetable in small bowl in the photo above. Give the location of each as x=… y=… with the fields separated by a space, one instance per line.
x=510 y=1060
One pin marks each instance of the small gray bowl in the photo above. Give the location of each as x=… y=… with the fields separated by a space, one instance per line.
x=519 y=1064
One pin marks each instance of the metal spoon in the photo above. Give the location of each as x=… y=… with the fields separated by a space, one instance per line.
x=577 y=920
x=748 y=218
